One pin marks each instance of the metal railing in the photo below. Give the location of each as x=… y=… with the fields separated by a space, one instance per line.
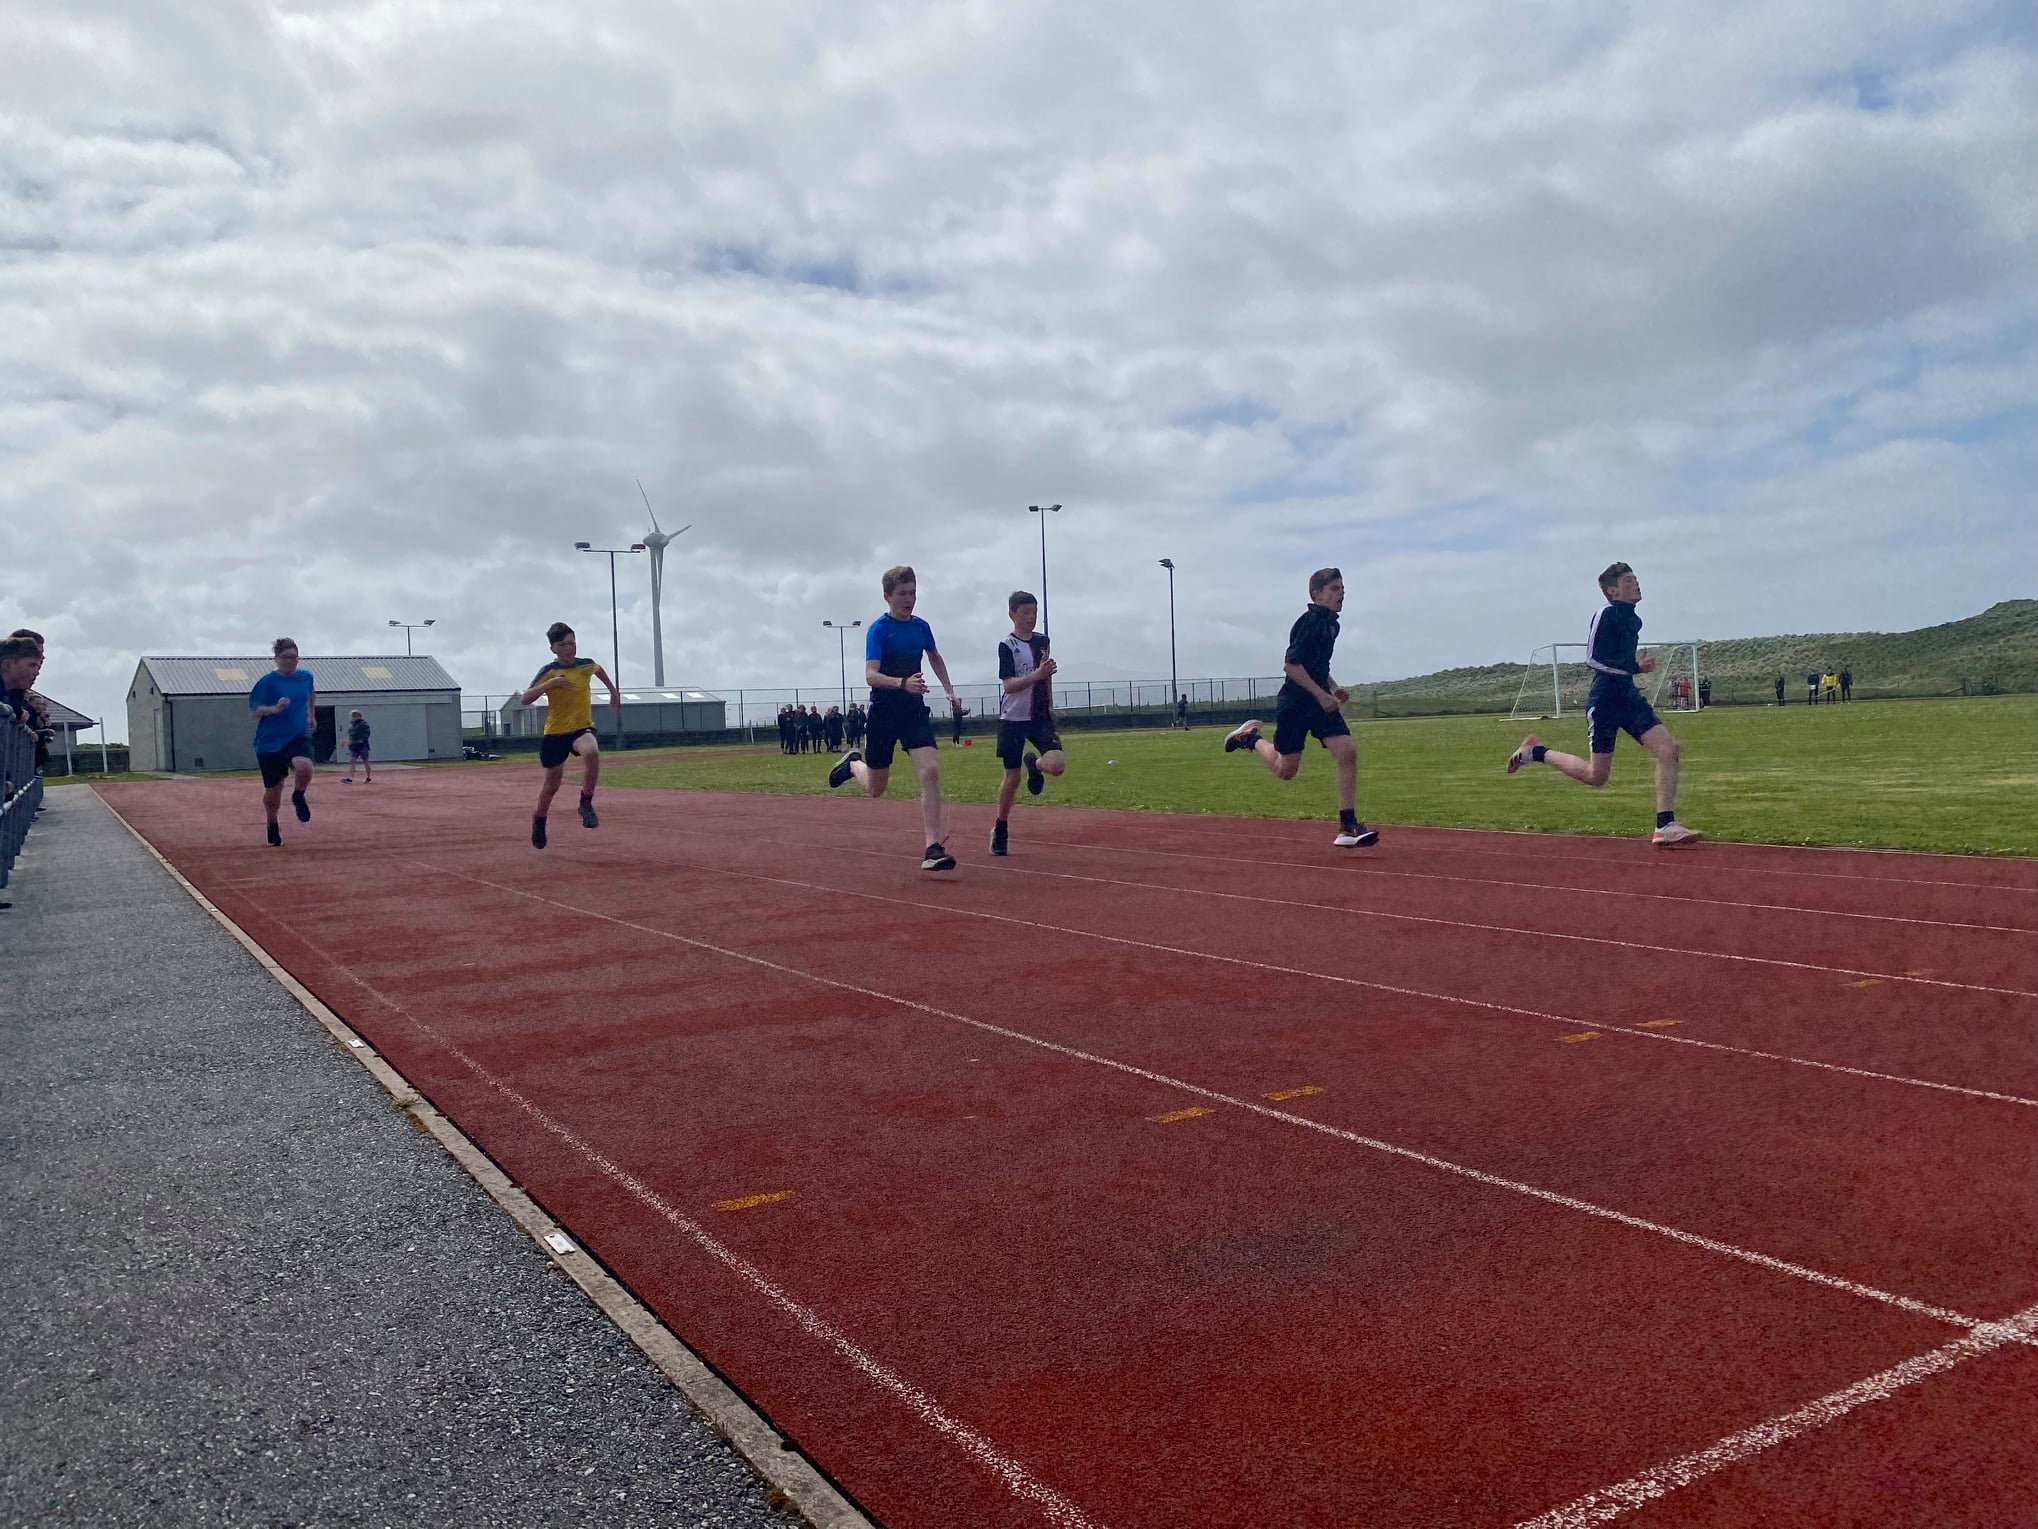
x=753 y=711
x=20 y=789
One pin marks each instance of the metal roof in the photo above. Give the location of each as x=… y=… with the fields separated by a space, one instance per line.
x=234 y=676
x=64 y=716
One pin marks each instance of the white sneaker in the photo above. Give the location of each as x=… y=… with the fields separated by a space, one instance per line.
x=1356 y=838
x=1674 y=833
x=1523 y=755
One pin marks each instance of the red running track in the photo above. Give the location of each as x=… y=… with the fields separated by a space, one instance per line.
x=1186 y=1171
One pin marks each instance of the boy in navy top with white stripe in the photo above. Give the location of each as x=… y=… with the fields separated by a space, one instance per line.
x=1025 y=711
x=1311 y=704
x=898 y=709
x=1615 y=705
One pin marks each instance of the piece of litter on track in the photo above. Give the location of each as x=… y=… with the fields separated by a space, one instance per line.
x=1174 y=1115
x=1869 y=982
x=1583 y=1035
x=1660 y=1024
x=558 y=1242
x=1293 y=1093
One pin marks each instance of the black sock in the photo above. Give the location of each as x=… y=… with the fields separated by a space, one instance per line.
x=1665 y=819
x=587 y=796
x=1347 y=818
x=1537 y=753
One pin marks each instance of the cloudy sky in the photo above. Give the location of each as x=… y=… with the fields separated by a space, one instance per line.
x=316 y=315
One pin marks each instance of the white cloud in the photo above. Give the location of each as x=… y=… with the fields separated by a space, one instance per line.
x=321 y=314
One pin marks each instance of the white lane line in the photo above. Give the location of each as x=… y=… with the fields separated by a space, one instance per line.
x=1019 y=1481
x=1711 y=862
x=1408 y=1154
x=1471 y=1003
x=1624 y=1497
x=1357 y=866
x=1455 y=923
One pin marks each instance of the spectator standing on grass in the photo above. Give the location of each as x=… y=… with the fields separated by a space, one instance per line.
x=894 y=647
x=1779 y=690
x=1846 y=684
x=835 y=729
x=785 y=729
x=283 y=701
x=1616 y=705
x=1311 y=703
x=357 y=749
x=1812 y=687
x=1830 y=687
x=1704 y=694
x=1182 y=712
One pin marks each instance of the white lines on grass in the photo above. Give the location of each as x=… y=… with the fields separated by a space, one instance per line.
x=1020 y=1482
x=1197 y=1090
x=1358 y=866
x=1624 y=1497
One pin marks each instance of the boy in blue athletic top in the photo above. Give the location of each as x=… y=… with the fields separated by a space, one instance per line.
x=1615 y=705
x=899 y=719
x=282 y=701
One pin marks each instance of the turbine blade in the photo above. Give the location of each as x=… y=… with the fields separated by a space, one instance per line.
x=647 y=506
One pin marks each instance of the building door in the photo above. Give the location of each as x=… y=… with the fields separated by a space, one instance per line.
x=324 y=737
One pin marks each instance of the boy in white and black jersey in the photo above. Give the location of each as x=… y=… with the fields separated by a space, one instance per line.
x=1025 y=711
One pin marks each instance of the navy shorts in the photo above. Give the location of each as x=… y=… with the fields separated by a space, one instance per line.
x=557 y=748
x=1299 y=716
x=275 y=767
x=357 y=751
x=1014 y=736
x=902 y=724
x=1611 y=710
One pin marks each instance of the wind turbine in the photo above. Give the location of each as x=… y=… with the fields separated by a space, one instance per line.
x=658 y=541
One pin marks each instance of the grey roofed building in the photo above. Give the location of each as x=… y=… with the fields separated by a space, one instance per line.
x=192 y=713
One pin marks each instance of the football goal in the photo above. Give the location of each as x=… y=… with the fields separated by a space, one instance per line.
x=1556 y=679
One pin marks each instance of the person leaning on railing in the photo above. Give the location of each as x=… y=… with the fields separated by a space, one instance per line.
x=35 y=707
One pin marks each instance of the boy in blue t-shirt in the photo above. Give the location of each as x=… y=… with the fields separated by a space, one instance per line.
x=282 y=701
x=1615 y=705
x=898 y=709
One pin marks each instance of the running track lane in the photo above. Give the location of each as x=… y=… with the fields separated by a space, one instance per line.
x=915 y=1288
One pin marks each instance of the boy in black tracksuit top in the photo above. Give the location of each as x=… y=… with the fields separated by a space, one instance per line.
x=1311 y=702
x=1615 y=706
x=1026 y=730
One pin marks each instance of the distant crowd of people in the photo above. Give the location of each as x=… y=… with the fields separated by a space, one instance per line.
x=1829 y=685
x=809 y=730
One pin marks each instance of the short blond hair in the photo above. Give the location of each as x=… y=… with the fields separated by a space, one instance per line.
x=894 y=577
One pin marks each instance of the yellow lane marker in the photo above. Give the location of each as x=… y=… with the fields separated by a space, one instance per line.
x=1189 y=1114
x=1869 y=982
x=1292 y=1093
x=1660 y=1024
x=1582 y=1035
x=751 y=1202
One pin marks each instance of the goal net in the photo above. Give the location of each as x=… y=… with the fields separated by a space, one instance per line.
x=1556 y=679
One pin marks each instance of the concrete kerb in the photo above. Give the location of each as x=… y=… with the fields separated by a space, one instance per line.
x=797 y=1484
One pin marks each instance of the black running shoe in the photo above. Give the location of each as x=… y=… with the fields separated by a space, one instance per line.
x=937 y=859
x=275 y=834
x=587 y=817
x=300 y=806
x=998 y=838
x=1244 y=736
x=839 y=776
x=537 y=832
x=1355 y=836
x=1034 y=779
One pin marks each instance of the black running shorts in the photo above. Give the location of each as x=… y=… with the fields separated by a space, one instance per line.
x=1613 y=708
x=901 y=724
x=276 y=767
x=557 y=748
x=1299 y=716
x=1014 y=736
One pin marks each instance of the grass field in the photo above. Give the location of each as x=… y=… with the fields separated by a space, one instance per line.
x=1934 y=775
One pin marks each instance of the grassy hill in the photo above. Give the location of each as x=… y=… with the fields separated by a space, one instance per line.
x=2000 y=646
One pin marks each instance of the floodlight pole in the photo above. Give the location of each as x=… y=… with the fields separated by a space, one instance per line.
x=842 y=629
x=412 y=626
x=1173 y=678
x=615 y=627
x=1043 y=511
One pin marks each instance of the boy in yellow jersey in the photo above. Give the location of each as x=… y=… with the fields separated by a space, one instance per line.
x=568 y=682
